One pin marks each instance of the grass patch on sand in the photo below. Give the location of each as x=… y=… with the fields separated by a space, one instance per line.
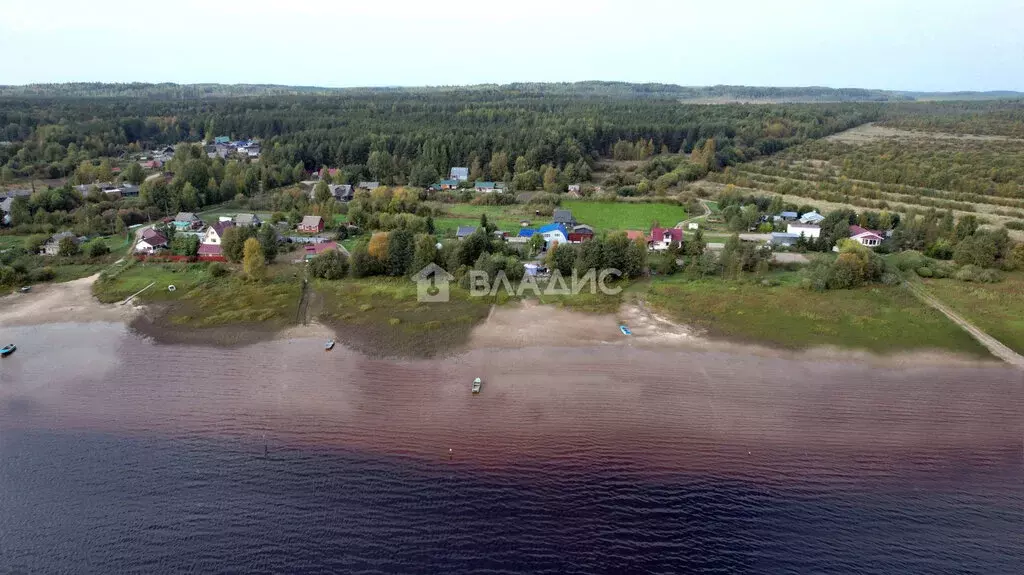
x=619 y=216
x=997 y=308
x=201 y=300
x=879 y=319
x=381 y=316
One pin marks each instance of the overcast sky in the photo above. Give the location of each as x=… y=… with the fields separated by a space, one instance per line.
x=940 y=45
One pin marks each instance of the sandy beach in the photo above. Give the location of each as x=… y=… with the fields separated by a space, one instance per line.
x=68 y=302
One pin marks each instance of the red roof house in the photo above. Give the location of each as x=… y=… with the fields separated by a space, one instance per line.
x=865 y=237
x=663 y=238
x=209 y=249
x=311 y=224
x=313 y=250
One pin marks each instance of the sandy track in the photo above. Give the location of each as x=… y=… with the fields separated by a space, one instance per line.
x=63 y=302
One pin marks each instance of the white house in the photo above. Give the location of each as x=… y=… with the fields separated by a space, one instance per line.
x=215 y=233
x=811 y=218
x=554 y=232
x=664 y=238
x=865 y=237
x=692 y=226
x=807 y=230
x=151 y=241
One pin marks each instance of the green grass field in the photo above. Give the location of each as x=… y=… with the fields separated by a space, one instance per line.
x=12 y=241
x=879 y=319
x=620 y=216
x=997 y=309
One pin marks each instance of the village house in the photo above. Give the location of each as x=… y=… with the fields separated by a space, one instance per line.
x=574 y=188
x=464 y=231
x=564 y=217
x=221 y=139
x=150 y=242
x=247 y=220
x=811 y=218
x=215 y=233
x=807 y=230
x=489 y=187
x=449 y=184
x=184 y=221
x=210 y=250
x=52 y=245
x=664 y=238
x=788 y=216
x=342 y=192
x=313 y=250
x=865 y=237
x=369 y=186
x=555 y=232
x=311 y=224
x=580 y=234
x=784 y=239
x=459 y=174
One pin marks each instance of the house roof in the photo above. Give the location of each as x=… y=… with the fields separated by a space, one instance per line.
x=219 y=227
x=811 y=217
x=317 y=249
x=526 y=233
x=658 y=234
x=209 y=249
x=154 y=238
x=783 y=235
x=554 y=227
x=857 y=231
x=583 y=228
x=562 y=216
x=369 y=185
x=185 y=217
x=635 y=235
x=789 y=215
x=464 y=231
x=55 y=238
x=246 y=219
x=459 y=173
x=311 y=221
x=5 y=204
x=485 y=185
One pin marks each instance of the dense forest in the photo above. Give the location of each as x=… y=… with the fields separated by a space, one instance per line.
x=169 y=91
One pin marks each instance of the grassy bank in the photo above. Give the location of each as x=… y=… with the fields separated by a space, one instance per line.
x=382 y=317
x=883 y=320
x=620 y=216
x=997 y=308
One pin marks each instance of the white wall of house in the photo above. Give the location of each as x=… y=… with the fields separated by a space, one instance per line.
x=662 y=243
x=868 y=240
x=555 y=235
x=211 y=237
x=144 y=247
x=808 y=232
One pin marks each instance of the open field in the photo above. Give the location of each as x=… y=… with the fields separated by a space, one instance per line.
x=872 y=131
x=883 y=320
x=11 y=241
x=997 y=309
x=978 y=176
x=621 y=216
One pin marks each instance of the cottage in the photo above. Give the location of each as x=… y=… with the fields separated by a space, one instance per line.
x=574 y=188
x=369 y=186
x=665 y=238
x=215 y=233
x=788 y=216
x=449 y=184
x=488 y=187
x=555 y=232
x=811 y=218
x=865 y=237
x=52 y=245
x=313 y=250
x=784 y=239
x=210 y=250
x=311 y=224
x=221 y=139
x=187 y=221
x=247 y=220
x=150 y=242
x=806 y=230
x=464 y=231
x=459 y=174
x=564 y=217
x=580 y=234
x=526 y=233
x=342 y=192
x=152 y=164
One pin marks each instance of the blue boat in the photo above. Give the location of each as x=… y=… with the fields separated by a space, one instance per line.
x=7 y=350
x=329 y=345
x=625 y=330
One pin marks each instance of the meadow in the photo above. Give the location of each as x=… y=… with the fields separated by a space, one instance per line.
x=996 y=308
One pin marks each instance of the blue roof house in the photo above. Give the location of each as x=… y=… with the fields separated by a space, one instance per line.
x=527 y=233
x=554 y=232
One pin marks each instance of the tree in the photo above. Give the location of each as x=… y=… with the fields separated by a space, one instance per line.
x=268 y=240
x=253 y=261
x=696 y=245
x=185 y=245
x=563 y=256
x=321 y=192
x=425 y=252
x=536 y=244
x=378 y=246
x=103 y=171
x=133 y=173
x=967 y=226
x=232 y=243
x=68 y=247
x=551 y=180
x=330 y=265
x=97 y=248
x=401 y=249
x=636 y=260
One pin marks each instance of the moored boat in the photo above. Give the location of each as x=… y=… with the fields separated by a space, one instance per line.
x=7 y=350
x=625 y=330
x=477 y=384
x=329 y=345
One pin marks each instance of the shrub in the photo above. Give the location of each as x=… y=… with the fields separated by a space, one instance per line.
x=924 y=271
x=43 y=274
x=990 y=276
x=217 y=269
x=96 y=248
x=967 y=273
x=330 y=265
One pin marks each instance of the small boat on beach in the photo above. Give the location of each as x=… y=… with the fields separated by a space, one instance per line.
x=625 y=330
x=9 y=349
x=25 y=289
x=329 y=345
x=477 y=384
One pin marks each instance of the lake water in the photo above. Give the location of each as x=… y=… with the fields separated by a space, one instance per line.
x=118 y=455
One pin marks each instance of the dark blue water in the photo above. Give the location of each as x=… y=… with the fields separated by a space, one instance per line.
x=102 y=504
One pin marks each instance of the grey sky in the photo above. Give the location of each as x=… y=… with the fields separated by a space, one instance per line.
x=892 y=44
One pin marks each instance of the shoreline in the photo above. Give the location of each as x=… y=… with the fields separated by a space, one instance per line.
x=523 y=325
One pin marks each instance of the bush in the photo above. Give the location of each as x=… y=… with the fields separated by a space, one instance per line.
x=217 y=269
x=330 y=265
x=43 y=274
x=924 y=271
x=967 y=273
x=96 y=248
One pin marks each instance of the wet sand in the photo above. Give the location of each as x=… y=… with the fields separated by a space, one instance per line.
x=61 y=302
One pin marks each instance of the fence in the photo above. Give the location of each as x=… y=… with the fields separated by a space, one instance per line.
x=157 y=258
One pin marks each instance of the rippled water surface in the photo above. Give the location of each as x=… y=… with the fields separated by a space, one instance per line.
x=118 y=455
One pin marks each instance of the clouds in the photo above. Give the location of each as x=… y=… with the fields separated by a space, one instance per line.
x=870 y=43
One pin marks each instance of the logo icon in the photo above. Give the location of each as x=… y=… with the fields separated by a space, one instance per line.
x=432 y=284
